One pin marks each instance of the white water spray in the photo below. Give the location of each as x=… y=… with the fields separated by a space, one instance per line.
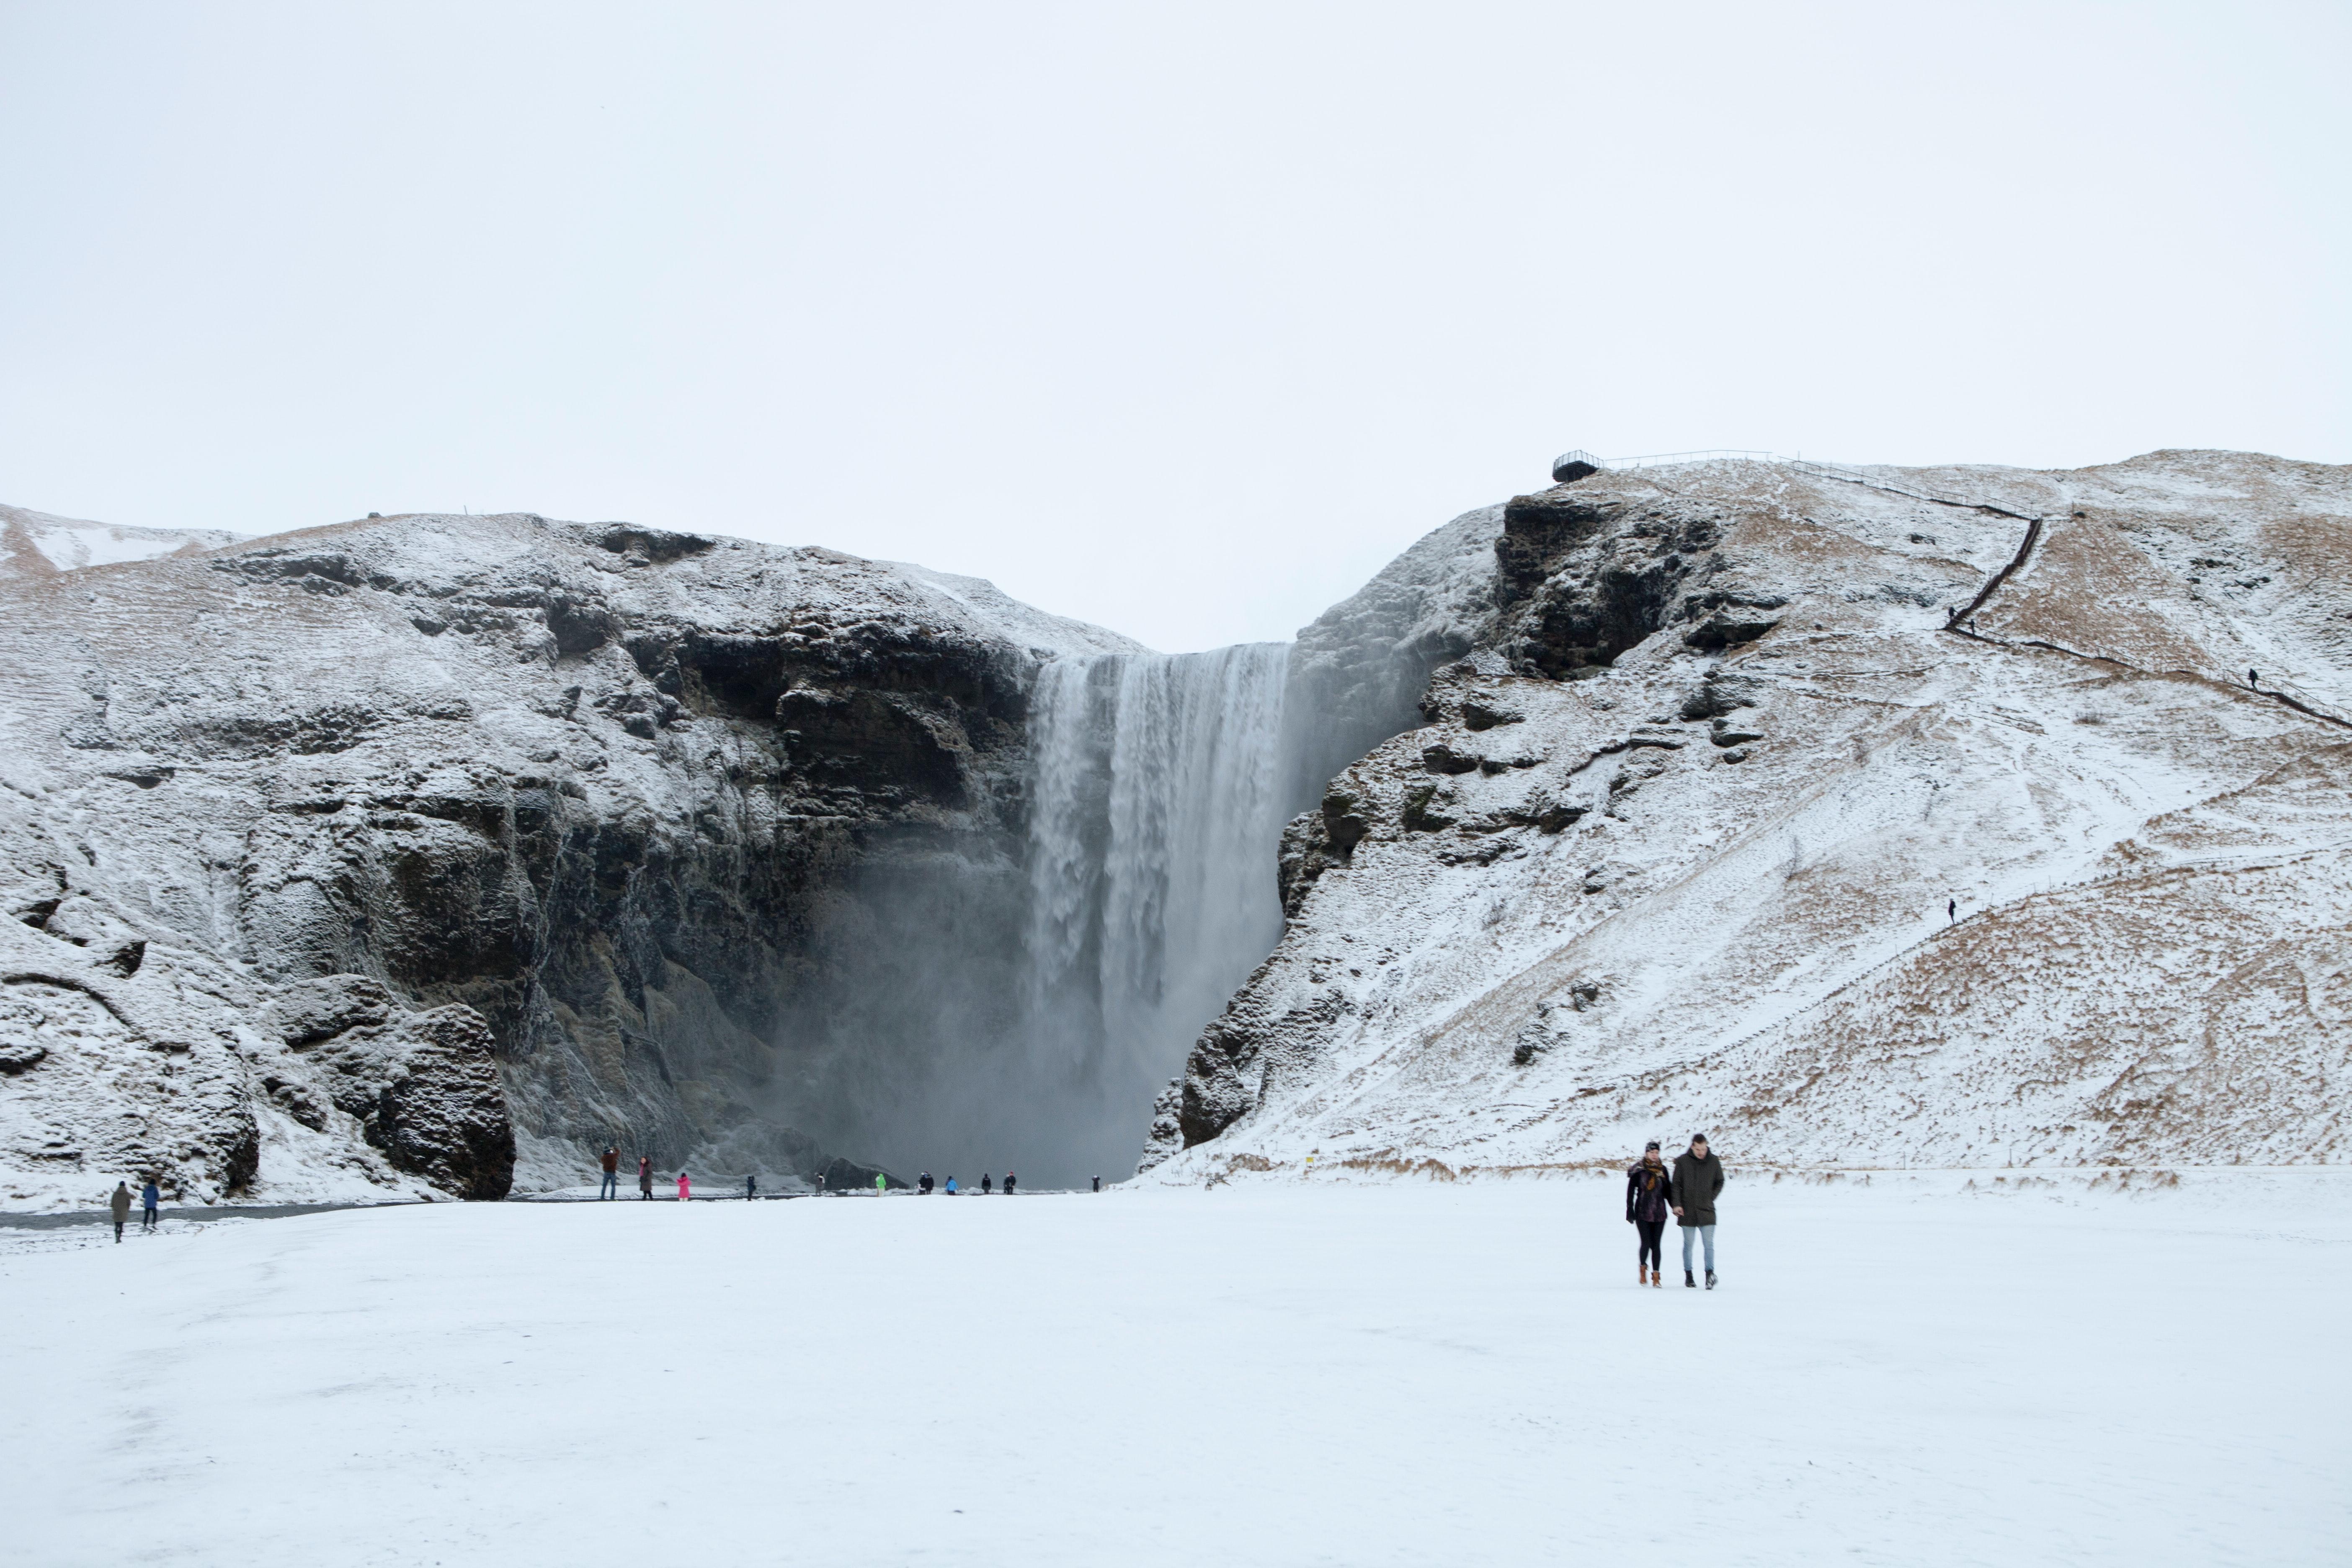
x=1156 y=813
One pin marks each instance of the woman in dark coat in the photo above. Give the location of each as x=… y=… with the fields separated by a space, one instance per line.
x=1646 y=1209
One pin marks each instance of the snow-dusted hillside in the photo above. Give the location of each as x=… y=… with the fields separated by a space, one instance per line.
x=337 y=862
x=1677 y=848
x=35 y=544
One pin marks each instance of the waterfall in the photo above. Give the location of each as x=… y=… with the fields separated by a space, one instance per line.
x=1018 y=1005
x=1156 y=811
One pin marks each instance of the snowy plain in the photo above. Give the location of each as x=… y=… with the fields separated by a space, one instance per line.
x=1902 y=1370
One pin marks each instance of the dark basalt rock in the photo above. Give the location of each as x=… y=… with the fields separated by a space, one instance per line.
x=1718 y=694
x=1581 y=581
x=1484 y=711
x=1423 y=811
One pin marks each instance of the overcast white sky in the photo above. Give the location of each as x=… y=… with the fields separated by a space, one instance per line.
x=1183 y=319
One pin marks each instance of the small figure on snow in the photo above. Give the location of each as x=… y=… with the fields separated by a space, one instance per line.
x=1008 y=1183
x=750 y=1188
x=646 y=1177
x=1697 y=1179
x=923 y=1185
x=150 y=1200
x=2255 y=678
x=685 y=1189
x=1098 y=1183
x=984 y=1188
x=121 y=1204
x=1646 y=1208
x=610 y=1187
x=1952 y=911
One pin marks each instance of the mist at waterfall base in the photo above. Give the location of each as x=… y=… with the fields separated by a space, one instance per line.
x=1019 y=1009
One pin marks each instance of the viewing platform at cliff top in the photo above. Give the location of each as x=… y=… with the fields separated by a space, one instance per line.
x=1571 y=465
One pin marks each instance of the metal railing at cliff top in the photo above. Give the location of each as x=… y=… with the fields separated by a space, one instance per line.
x=1664 y=459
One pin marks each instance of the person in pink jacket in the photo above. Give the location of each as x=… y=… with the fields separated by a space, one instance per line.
x=685 y=1191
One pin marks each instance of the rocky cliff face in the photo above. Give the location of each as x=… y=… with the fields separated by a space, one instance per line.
x=371 y=857
x=1956 y=817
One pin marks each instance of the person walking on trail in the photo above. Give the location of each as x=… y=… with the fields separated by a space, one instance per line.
x=751 y=1187
x=645 y=1178
x=121 y=1204
x=685 y=1189
x=150 y=1200
x=1647 y=1210
x=881 y=1185
x=1008 y=1183
x=1697 y=1179
x=985 y=1187
x=1952 y=911
x=610 y=1187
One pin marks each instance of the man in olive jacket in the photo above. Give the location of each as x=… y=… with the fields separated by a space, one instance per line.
x=1698 y=1178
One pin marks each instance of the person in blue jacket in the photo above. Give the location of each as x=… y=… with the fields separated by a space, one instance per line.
x=149 y=1201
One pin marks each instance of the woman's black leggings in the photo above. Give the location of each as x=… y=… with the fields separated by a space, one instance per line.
x=1653 y=1231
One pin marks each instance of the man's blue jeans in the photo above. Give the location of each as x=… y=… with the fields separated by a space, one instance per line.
x=1704 y=1232
x=612 y=1188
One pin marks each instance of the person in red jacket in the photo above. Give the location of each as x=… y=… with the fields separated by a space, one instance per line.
x=610 y=1187
x=685 y=1189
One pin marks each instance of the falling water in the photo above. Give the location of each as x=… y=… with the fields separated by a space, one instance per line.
x=963 y=1009
x=1155 y=816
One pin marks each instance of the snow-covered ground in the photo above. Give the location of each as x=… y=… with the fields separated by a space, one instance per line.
x=1270 y=1372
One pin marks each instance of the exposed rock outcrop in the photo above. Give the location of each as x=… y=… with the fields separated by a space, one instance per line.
x=1674 y=843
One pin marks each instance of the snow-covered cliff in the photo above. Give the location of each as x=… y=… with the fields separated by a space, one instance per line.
x=1682 y=842
x=357 y=860
x=35 y=544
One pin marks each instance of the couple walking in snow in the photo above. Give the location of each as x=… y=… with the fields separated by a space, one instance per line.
x=1687 y=1191
x=119 y=1205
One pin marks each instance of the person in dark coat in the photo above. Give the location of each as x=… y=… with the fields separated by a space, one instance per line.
x=150 y=1200
x=1008 y=1183
x=610 y=1187
x=751 y=1187
x=923 y=1185
x=121 y=1205
x=1697 y=1179
x=985 y=1188
x=646 y=1177
x=1646 y=1210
